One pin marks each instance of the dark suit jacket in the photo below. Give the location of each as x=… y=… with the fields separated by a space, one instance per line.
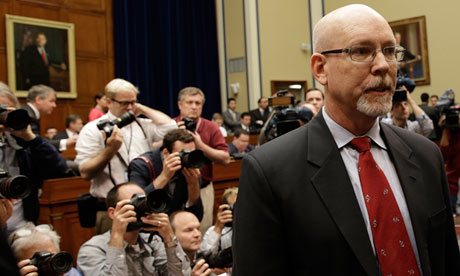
x=297 y=213
x=140 y=173
x=38 y=160
x=34 y=68
x=256 y=115
x=61 y=135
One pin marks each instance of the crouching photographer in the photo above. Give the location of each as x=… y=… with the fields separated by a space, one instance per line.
x=175 y=168
x=125 y=250
x=37 y=250
x=217 y=241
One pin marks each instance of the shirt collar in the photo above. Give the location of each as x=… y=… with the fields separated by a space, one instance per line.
x=37 y=113
x=342 y=136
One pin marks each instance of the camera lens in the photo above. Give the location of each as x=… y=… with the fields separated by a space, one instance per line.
x=62 y=262
x=17 y=187
x=158 y=201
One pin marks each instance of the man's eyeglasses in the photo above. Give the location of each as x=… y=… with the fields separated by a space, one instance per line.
x=126 y=103
x=367 y=53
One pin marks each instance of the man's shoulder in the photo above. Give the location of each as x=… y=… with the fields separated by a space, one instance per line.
x=101 y=240
x=412 y=139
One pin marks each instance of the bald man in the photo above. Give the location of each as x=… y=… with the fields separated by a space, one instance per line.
x=304 y=207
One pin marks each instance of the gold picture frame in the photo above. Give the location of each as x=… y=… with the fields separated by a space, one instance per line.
x=29 y=64
x=412 y=33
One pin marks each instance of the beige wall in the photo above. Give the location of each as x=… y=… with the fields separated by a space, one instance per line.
x=442 y=21
x=283 y=27
x=235 y=48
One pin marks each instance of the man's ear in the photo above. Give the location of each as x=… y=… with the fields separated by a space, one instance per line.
x=110 y=212
x=318 y=63
x=165 y=152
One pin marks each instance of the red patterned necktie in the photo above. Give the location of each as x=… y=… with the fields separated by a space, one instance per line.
x=391 y=241
x=43 y=54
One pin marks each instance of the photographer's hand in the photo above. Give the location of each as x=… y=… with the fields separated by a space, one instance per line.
x=224 y=215
x=160 y=224
x=201 y=269
x=218 y=156
x=192 y=177
x=25 y=134
x=96 y=164
x=171 y=164
x=123 y=214
x=26 y=269
x=6 y=211
x=418 y=112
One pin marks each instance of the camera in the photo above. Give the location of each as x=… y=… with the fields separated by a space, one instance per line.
x=452 y=115
x=400 y=95
x=157 y=201
x=447 y=106
x=230 y=223
x=17 y=119
x=407 y=82
x=49 y=264
x=17 y=187
x=221 y=259
x=192 y=159
x=190 y=124
x=124 y=119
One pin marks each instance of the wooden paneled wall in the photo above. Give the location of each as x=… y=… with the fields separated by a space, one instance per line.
x=93 y=46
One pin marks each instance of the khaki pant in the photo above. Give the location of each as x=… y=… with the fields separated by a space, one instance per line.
x=103 y=222
x=207 y=198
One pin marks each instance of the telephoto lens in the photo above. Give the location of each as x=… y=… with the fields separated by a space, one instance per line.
x=14 y=187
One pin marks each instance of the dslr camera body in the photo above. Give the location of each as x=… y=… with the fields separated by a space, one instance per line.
x=189 y=124
x=221 y=259
x=157 y=201
x=49 y=264
x=17 y=119
x=124 y=119
x=16 y=187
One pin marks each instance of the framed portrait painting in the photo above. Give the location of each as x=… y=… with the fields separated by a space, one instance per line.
x=40 y=52
x=410 y=33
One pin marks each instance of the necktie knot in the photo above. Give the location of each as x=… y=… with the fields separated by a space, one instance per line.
x=361 y=144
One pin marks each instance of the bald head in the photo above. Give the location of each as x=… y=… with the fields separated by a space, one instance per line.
x=330 y=29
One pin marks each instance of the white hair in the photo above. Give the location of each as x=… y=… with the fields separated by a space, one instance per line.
x=28 y=234
x=119 y=85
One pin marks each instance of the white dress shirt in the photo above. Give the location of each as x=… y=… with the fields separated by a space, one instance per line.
x=379 y=151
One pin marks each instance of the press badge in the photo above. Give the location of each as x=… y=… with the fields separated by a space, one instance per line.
x=126 y=176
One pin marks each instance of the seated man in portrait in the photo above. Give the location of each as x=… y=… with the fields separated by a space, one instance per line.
x=122 y=252
x=162 y=168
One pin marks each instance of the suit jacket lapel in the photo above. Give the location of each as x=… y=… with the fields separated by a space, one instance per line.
x=412 y=185
x=333 y=185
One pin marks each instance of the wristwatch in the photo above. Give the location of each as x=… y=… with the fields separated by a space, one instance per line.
x=172 y=243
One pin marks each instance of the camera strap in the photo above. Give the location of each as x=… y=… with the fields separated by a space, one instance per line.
x=151 y=167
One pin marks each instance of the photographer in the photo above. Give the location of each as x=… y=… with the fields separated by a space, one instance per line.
x=103 y=158
x=162 y=168
x=187 y=230
x=400 y=114
x=24 y=153
x=208 y=139
x=219 y=236
x=28 y=240
x=119 y=252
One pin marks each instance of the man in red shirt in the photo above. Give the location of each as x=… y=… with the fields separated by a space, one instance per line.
x=209 y=139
